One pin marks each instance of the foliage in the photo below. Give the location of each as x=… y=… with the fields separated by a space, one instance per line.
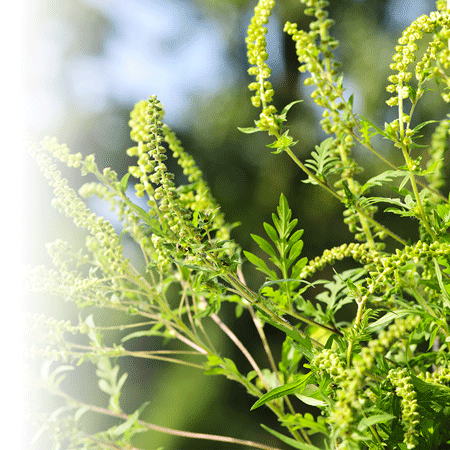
x=381 y=378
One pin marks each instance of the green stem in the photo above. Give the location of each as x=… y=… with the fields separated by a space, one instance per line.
x=341 y=199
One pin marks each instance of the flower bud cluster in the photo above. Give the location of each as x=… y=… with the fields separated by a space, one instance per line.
x=62 y=254
x=185 y=216
x=405 y=54
x=351 y=394
x=330 y=362
x=359 y=252
x=436 y=150
x=140 y=133
x=441 y=376
x=404 y=388
x=396 y=333
x=110 y=253
x=130 y=221
x=386 y=268
x=348 y=402
x=257 y=56
x=196 y=196
x=317 y=59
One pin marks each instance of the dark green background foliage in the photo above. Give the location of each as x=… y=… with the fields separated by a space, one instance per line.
x=244 y=176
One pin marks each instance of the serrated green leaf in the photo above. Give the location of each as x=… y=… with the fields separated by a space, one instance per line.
x=284 y=213
x=141 y=213
x=311 y=401
x=121 y=381
x=117 y=431
x=281 y=280
x=381 y=178
x=351 y=199
x=80 y=412
x=308 y=421
x=276 y=221
x=298 y=266
x=137 y=334
x=386 y=319
x=124 y=182
x=283 y=142
x=295 y=251
x=249 y=130
x=104 y=386
x=290 y=441
x=379 y=130
x=303 y=344
x=421 y=125
x=281 y=391
x=271 y=232
x=264 y=245
x=260 y=265
x=350 y=101
x=296 y=236
x=287 y=108
x=373 y=420
x=431 y=169
x=445 y=294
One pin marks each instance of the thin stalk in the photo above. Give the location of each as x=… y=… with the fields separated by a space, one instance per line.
x=137 y=354
x=361 y=303
x=335 y=194
x=251 y=297
x=259 y=327
x=393 y=166
x=241 y=347
x=103 y=444
x=171 y=431
x=368 y=145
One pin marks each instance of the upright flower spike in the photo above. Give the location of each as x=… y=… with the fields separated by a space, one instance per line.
x=405 y=55
x=257 y=56
x=404 y=388
x=139 y=134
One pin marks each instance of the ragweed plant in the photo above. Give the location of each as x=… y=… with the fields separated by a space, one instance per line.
x=379 y=379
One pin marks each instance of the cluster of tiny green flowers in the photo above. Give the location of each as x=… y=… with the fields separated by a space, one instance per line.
x=62 y=254
x=257 y=56
x=62 y=152
x=330 y=362
x=405 y=54
x=67 y=201
x=394 y=334
x=359 y=252
x=176 y=217
x=52 y=332
x=436 y=150
x=350 y=394
x=41 y=279
x=186 y=215
x=347 y=401
x=318 y=61
x=441 y=5
x=196 y=196
x=441 y=376
x=386 y=268
x=129 y=220
x=404 y=388
x=308 y=56
x=163 y=254
x=140 y=134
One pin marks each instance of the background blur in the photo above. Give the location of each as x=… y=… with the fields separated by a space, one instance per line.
x=87 y=62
